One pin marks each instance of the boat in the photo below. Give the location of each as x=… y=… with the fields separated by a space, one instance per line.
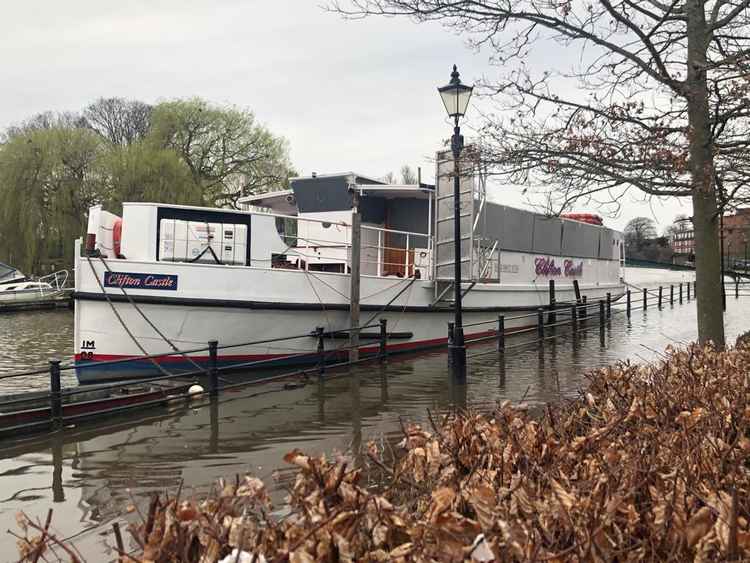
x=9 y=274
x=21 y=293
x=166 y=278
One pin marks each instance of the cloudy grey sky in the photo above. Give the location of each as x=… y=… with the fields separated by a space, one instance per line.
x=348 y=95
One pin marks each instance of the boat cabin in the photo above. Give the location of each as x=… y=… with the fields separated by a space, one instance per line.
x=407 y=231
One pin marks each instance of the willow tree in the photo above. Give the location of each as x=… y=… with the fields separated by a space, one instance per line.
x=143 y=172
x=48 y=180
x=227 y=152
x=653 y=98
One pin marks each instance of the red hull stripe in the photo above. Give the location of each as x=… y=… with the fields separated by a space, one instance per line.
x=415 y=345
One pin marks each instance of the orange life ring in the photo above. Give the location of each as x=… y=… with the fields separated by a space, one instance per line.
x=117 y=237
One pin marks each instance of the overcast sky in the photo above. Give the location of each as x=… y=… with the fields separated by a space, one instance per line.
x=348 y=95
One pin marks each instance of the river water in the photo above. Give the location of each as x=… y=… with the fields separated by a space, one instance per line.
x=90 y=475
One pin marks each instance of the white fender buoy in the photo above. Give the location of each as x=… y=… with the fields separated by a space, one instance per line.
x=195 y=390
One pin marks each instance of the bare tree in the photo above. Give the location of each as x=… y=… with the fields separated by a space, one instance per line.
x=637 y=232
x=657 y=101
x=408 y=175
x=122 y=122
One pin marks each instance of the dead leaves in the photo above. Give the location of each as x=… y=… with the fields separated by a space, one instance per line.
x=651 y=463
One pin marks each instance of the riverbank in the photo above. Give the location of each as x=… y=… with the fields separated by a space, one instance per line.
x=649 y=462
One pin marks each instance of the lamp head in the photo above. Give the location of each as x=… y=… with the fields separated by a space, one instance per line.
x=455 y=95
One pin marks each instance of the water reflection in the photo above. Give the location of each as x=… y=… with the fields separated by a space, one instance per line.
x=89 y=474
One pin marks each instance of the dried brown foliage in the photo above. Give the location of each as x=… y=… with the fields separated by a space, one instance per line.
x=650 y=463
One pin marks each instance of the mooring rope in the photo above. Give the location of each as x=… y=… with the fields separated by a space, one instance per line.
x=124 y=325
x=152 y=325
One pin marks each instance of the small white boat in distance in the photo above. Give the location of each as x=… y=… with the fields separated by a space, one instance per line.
x=22 y=293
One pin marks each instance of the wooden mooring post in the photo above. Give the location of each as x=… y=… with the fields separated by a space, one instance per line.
x=737 y=287
x=601 y=314
x=680 y=293
x=55 y=394
x=645 y=299
x=501 y=334
x=688 y=291
x=320 y=334
x=540 y=323
x=577 y=290
x=671 y=295
x=609 y=305
x=627 y=303
x=213 y=368
x=574 y=316
x=355 y=264
x=661 y=289
x=552 y=303
x=383 y=353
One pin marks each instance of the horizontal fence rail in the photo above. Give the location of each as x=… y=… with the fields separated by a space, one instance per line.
x=580 y=315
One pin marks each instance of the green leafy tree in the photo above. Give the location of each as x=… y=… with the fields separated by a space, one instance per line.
x=228 y=153
x=48 y=180
x=142 y=172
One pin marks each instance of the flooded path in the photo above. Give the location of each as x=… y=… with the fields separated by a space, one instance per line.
x=90 y=475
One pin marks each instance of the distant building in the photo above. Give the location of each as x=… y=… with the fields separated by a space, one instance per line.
x=737 y=233
x=682 y=241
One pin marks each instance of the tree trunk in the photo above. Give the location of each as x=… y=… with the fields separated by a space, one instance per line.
x=705 y=213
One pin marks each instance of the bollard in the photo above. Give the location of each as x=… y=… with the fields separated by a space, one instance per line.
x=601 y=314
x=552 y=303
x=501 y=334
x=627 y=303
x=680 y=293
x=609 y=305
x=577 y=290
x=320 y=334
x=660 y=296
x=671 y=295
x=213 y=369
x=574 y=316
x=540 y=323
x=55 y=394
x=688 y=291
x=383 y=353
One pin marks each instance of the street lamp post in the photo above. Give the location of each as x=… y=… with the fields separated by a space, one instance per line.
x=456 y=97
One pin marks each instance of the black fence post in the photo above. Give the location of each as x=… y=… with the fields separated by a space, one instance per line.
x=55 y=394
x=688 y=291
x=661 y=290
x=577 y=290
x=213 y=368
x=383 y=339
x=601 y=314
x=584 y=309
x=671 y=295
x=501 y=334
x=574 y=316
x=645 y=299
x=680 y=293
x=540 y=322
x=627 y=303
x=320 y=333
x=609 y=305
x=552 y=303
x=737 y=287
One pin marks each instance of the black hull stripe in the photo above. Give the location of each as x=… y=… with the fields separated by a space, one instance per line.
x=267 y=305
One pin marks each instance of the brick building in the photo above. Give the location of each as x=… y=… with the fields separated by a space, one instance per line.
x=682 y=240
x=737 y=233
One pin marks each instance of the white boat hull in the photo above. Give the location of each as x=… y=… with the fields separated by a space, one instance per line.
x=238 y=305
